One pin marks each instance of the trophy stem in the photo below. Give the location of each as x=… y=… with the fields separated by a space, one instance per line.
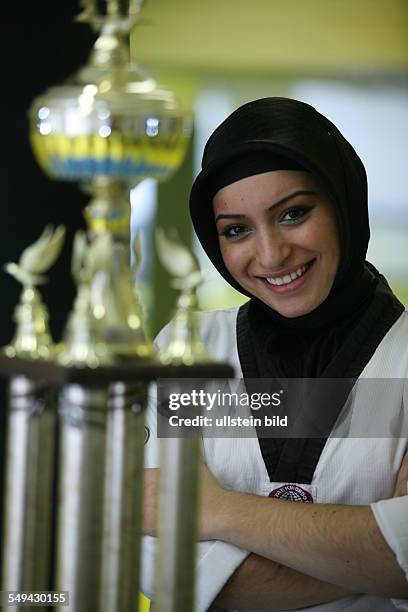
x=109 y=209
x=118 y=310
x=111 y=48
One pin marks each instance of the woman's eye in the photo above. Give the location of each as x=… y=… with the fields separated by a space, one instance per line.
x=234 y=232
x=294 y=215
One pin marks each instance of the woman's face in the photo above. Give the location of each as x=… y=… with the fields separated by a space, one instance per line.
x=279 y=239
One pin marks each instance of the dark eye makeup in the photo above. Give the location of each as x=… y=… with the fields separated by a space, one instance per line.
x=294 y=214
x=290 y=216
x=235 y=231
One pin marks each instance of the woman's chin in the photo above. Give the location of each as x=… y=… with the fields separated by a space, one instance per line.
x=291 y=311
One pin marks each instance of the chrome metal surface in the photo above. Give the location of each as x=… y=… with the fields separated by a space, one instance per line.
x=81 y=486
x=30 y=457
x=123 y=498
x=175 y=565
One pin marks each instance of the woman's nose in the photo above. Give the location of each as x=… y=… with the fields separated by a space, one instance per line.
x=272 y=250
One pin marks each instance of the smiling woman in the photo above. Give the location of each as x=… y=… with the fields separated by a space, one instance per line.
x=279 y=240
x=280 y=207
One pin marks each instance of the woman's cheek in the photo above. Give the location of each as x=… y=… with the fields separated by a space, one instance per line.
x=234 y=257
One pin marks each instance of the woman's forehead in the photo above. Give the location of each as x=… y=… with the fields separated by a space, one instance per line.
x=272 y=185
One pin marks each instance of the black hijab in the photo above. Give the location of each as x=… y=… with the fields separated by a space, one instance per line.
x=339 y=337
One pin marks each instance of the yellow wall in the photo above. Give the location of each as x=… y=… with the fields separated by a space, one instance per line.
x=274 y=35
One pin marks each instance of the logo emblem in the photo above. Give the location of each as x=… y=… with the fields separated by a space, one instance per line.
x=292 y=492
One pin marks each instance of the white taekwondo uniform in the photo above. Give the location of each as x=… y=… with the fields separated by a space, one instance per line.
x=352 y=470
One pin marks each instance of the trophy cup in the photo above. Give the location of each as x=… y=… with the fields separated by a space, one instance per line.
x=109 y=127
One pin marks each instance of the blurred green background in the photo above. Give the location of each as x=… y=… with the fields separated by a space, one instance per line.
x=347 y=58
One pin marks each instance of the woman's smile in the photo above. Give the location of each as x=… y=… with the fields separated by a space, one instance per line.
x=288 y=280
x=279 y=240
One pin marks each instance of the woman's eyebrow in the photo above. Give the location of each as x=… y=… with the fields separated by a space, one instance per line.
x=295 y=194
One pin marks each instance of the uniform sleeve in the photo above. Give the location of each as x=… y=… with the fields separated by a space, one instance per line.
x=392 y=519
x=216 y=561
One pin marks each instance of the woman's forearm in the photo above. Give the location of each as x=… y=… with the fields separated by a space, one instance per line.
x=262 y=584
x=335 y=544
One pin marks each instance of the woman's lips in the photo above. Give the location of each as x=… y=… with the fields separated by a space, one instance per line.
x=293 y=285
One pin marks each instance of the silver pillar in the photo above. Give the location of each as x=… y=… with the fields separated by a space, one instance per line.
x=123 y=498
x=28 y=488
x=81 y=486
x=175 y=566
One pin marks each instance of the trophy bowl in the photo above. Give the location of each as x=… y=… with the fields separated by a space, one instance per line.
x=117 y=123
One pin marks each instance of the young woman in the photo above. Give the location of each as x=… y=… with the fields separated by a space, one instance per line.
x=280 y=207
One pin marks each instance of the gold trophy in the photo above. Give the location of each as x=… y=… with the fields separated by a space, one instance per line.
x=110 y=127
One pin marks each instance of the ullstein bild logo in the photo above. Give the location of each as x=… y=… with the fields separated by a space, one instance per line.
x=229 y=421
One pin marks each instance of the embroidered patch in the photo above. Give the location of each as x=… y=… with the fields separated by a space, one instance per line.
x=292 y=492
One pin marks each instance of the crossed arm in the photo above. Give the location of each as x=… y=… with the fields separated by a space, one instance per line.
x=262 y=584
x=339 y=545
x=304 y=554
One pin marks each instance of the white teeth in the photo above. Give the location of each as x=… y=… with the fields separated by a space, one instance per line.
x=288 y=278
